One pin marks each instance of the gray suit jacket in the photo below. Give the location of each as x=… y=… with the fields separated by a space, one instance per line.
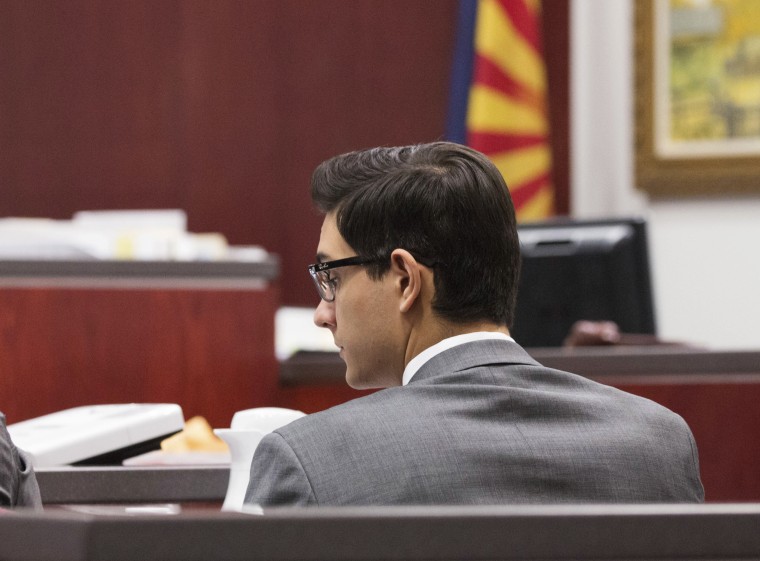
x=18 y=485
x=481 y=423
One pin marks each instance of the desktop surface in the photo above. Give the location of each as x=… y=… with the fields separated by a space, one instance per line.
x=630 y=532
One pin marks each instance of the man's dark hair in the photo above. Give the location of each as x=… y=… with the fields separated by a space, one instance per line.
x=446 y=204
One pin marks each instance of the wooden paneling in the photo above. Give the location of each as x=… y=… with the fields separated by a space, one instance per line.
x=211 y=351
x=725 y=420
x=224 y=108
x=221 y=108
x=556 y=38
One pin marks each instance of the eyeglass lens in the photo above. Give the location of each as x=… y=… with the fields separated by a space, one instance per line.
x=324 y=285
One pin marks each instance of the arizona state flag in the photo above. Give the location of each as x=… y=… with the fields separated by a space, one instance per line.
x=498 y=98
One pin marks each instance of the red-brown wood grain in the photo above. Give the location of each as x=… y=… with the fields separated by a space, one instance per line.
x=211 y=351
x=224 y=108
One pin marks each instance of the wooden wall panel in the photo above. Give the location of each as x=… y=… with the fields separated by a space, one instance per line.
x=210 y=351
x=224 y=108
x=220 y=108
x=556 y=37
x=725 y=420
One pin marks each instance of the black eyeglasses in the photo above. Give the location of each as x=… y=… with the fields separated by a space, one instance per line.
x=325 y=284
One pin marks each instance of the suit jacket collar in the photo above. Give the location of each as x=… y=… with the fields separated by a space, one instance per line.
x=470 y=355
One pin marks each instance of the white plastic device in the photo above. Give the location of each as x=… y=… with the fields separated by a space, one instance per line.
x=96 y=433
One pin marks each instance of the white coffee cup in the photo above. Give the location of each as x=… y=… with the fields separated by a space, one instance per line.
x=246 y=430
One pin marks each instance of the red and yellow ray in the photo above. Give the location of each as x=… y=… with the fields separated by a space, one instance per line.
x=506 y=115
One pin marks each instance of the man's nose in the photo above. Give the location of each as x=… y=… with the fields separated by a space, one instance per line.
x=324 y=315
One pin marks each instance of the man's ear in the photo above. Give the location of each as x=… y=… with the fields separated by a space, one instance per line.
x=407 y=278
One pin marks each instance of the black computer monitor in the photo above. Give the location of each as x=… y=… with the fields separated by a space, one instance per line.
x=582 y=270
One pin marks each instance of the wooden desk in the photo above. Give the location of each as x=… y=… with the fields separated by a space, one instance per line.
x=717 y=393
x=570 y=532
x=200 y=334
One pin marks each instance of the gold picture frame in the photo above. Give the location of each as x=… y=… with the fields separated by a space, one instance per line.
x=704 y=156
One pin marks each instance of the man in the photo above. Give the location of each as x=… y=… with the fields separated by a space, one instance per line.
x=417 y=270
x=18 y=485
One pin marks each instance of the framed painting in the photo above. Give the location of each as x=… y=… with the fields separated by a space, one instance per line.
x=697 y=97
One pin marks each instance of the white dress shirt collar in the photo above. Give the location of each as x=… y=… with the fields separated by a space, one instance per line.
x=416 y=363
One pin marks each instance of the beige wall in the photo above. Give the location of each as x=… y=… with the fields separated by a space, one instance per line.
x=705 y=252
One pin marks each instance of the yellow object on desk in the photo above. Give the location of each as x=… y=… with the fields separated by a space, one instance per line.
x=197 y=436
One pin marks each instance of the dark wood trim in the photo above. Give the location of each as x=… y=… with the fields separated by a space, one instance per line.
x=556 y=35
x=266 y=270
x=569 y=532
x=594 y=362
